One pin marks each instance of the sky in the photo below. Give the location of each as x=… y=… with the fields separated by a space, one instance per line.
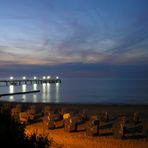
x=74 y=38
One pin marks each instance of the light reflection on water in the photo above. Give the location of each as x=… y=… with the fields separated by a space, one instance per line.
x=48 y=93
x=34 y=98
x=45 y=94
x=11 y=90
x=85 y=90
x=35 y=87
x=24 y=88
x=57 y=93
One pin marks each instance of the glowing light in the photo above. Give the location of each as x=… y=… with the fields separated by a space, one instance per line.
x=48 y=77
x=11 y=78
x=24 y=78
x=44 y=77
x=57 y=77
x=34 y=77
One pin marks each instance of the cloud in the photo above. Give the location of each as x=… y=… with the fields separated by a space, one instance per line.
x=76 y=33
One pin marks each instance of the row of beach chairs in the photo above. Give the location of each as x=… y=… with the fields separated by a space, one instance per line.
x=25 y=116
x=119 y=127
x=93 y=125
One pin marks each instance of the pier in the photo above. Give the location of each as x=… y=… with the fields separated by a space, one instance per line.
x=19 y=93
x=13 y=81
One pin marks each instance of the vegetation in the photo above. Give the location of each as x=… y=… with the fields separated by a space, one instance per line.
x=12 y=133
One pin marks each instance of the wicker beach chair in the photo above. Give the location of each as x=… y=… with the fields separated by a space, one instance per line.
x=123 y=128
x=15 y=111
x=103 y=116
x=70 y=125
x=32 y=113
x=46 y=110
x=92 y=128
x=136 y=118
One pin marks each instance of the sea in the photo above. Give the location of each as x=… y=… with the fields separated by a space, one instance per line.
x=82 y=91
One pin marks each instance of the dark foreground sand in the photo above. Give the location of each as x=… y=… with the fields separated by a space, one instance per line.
x=79 y=139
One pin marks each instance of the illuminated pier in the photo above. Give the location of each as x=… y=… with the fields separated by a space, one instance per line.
x=26 y=81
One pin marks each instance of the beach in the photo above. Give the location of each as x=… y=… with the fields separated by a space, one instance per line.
x=79 y=138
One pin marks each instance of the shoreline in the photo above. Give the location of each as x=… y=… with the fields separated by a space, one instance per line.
x=75 y=104
x=89 y=108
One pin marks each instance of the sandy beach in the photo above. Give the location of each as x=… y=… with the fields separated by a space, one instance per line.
x=79 y=139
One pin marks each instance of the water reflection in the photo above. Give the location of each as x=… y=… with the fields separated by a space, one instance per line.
x=24 y=88
x=35 y=86
x=57 y=93
x=24 y=98
x=48 y=93
x=34 y=98
x=44 y=92
x=11 y=90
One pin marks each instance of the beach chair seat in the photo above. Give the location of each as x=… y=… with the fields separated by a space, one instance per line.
x=134 y=129
x=51 y=125
x=59 y=124
x=92 y=130
x=57 y=116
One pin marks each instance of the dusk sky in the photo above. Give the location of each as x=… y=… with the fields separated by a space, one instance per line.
x=90 y=38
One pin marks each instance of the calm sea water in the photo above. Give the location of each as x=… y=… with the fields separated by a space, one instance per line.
x=82 y=90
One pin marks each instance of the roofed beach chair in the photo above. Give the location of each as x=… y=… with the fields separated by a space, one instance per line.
x=92 y=128
x=136 y=118
x=31 y=111
x=53 y=120
x=70 y=124
x=123 y=128
x=104 y=116
x=15 y=111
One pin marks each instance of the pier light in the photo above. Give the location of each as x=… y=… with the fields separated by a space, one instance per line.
x=44 y=77
x=11 y=78
x=34 y=77
x=24 y=78
x=48 y=77
x=57 y=77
